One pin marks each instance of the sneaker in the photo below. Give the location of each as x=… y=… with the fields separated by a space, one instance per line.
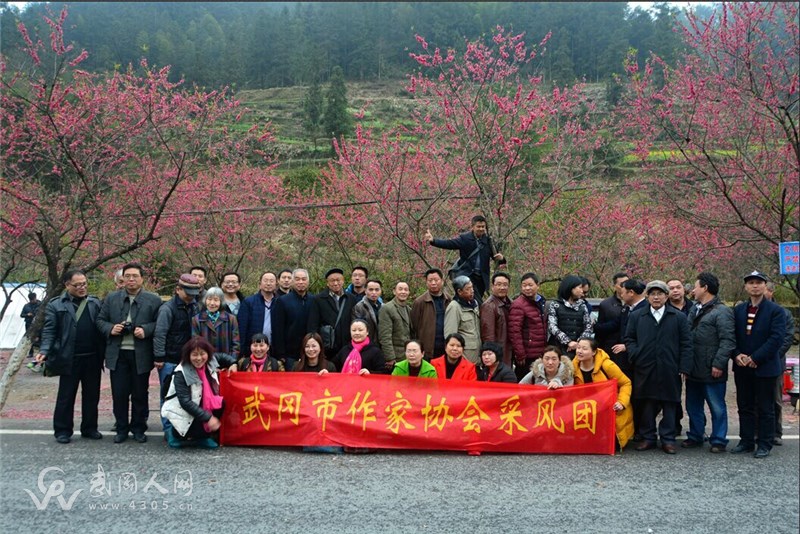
x=761 y=453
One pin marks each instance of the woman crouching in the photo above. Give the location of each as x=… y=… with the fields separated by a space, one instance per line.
x=193 y=404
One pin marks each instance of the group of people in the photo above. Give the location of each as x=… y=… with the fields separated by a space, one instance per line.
x=649 y=337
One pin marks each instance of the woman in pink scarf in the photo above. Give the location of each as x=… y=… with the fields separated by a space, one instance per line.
x=195 y=386
x=360 y=356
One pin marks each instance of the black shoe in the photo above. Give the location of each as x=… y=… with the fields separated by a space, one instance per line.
x=761 y=453
x=63 y=439
x=120 y=438
x=691 y=444
x=646 y=446
x=139 y=437
x=740 y=448
x=94 y=434
x=716 y=449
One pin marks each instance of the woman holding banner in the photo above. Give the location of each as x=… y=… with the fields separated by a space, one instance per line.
x=594 y=365
x=313 y=360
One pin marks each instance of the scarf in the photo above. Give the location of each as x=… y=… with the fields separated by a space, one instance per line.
x=471 y=304
x=353 y=362
x=209 y=401
x=213 y=316
x=257 y=364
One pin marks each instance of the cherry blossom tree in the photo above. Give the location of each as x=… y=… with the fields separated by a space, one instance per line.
x=720 y=133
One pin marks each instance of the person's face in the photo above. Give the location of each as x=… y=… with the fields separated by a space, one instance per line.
x=454 y=349
x=77 y=286
x=259 y=349
x=656 y=298
x=500 y=287
x=374 y=291
x=358 y=332
x=201 y=276
x=576 y=293
x=551 y=361
x=335 y=283
x=529 y=287
x=414 y=354
x=628 y=296
x=467 y=292
x=133 y=280
x=755 y=287
x=185 y=297
x=434 y=283
x=119 y=282
x=676 y=290
x=198 y=357
x=358 y=278
x=301 y=282
x=699 y=291
x=268 y=283
x=401 y=292
x=285 y=281
x=230 y=284
x=479 y=229
x=312 y=349
x=618 y=289
x=768 y=293
x=213 y=304
x=584 y=350
x=585 y=290
x=489 y=358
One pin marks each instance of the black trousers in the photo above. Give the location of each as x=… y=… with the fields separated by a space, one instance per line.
x=129 y=388
x=755 y=399
x=85 y=373
x=666 y=427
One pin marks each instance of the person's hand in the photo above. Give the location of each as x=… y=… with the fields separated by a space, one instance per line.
x=158 y=365
x=428 y=236
x=553 y=385
x=619 y=347
x=323 y=372
x=40 y=358
x=233 y=368
x=138 y=332
x=571 y=346
x=214 y=423
x=618 y=407
x=389 y=365
x=363 y=372
x=117 y=329
x=742 y=360
x=716 y=373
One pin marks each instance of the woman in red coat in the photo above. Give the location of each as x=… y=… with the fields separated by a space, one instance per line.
x=453 y=365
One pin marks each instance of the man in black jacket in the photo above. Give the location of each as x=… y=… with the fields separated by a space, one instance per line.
x=607 y=328
x=476 y=249
x=289 y=319
x=331 y=313
x=73 y=349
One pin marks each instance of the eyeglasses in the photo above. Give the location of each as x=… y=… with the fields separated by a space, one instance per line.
x=79 y=286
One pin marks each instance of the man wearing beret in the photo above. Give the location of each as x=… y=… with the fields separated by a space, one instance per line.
x=760 y=329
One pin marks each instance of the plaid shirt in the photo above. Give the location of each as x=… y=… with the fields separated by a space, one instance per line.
x=223 y=334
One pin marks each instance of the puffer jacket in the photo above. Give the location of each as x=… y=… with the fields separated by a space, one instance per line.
x=527 y=328
x=713 y=340
x=538 y=377
x=182 y=402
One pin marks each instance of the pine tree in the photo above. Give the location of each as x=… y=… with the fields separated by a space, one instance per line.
x=313 y=108
x=337 y=121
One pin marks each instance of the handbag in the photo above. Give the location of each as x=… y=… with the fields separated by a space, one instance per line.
x=328 y=332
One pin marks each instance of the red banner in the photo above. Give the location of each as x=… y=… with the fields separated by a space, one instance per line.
x=392 y=412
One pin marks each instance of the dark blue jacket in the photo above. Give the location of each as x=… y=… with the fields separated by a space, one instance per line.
x=466 y=243
x=765 y=339
x=289 y=319
x=251 y=319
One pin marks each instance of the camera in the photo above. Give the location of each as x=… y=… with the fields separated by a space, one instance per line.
x=127 y=328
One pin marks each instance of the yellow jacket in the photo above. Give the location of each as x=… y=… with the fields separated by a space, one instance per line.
x=606 y=369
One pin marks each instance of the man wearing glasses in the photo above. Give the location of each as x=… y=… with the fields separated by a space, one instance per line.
x=73 y=349
x=128 y=320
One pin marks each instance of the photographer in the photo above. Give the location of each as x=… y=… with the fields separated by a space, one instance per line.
x=476 y=249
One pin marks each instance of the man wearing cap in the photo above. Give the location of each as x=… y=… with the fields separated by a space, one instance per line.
x=659 y=346
x=173 y=330
x=760 y=330
x=330 y=313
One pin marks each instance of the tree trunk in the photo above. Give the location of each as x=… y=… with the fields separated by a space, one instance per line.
x=14 y=363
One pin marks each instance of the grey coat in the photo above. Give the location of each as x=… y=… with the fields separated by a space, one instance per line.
x=394 y=328
x=144 y=313
x=713 y=340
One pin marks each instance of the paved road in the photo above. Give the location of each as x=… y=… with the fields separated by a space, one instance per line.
x=255 y=490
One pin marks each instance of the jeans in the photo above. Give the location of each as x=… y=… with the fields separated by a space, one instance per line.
x=712 y=393
x=163 y=373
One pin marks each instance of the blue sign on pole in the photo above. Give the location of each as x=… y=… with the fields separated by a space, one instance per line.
x=789 y=255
